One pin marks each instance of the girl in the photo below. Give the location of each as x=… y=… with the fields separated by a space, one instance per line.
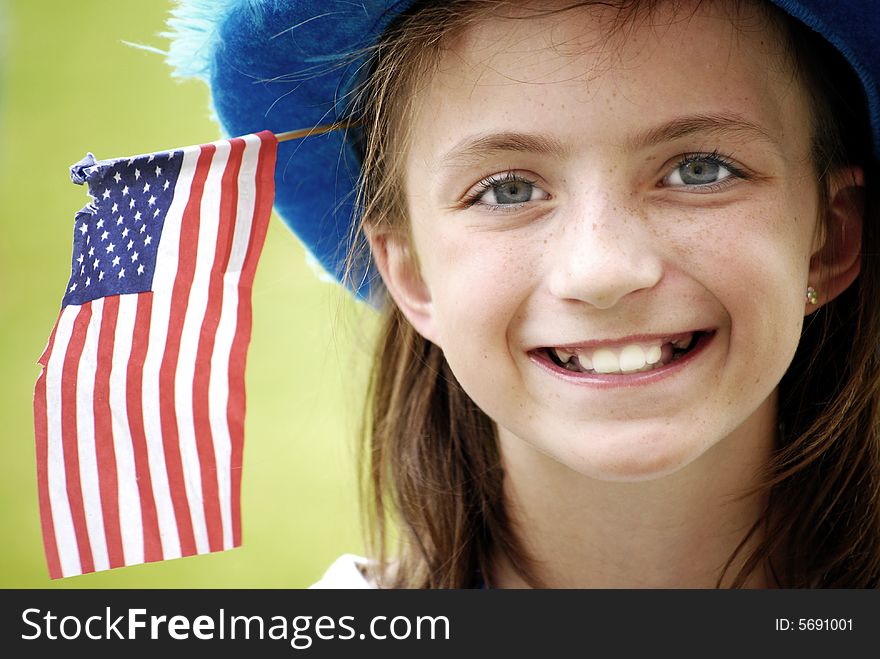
x=627 y=267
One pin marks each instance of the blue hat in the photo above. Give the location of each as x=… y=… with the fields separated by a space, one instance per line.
x=281 y=65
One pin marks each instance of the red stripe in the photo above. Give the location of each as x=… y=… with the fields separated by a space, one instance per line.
x=201 y=381
x=189 y=236
x=134 y=403
x=41 y=434
x=69 y=437
x=105 y=452
x=235 y=411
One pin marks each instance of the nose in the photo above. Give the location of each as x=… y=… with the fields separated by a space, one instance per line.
x=604 y=252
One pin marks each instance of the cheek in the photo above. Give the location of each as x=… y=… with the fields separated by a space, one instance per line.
x=478 y=282
x=754 y=248
x=758 y=272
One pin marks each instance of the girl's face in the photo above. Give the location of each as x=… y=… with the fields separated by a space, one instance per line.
x=645 y=202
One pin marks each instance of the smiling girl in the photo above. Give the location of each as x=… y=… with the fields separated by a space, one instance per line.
x=627 y=266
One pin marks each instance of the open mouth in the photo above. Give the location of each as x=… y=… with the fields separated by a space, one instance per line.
x=636 y=357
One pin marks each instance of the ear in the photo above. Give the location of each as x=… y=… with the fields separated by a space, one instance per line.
x=837 y=261
x=400 y=271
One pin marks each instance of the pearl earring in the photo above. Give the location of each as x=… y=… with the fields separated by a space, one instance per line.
x=812 y=296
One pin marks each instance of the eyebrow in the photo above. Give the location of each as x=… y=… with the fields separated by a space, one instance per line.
x=475 y=148
x=722 y=124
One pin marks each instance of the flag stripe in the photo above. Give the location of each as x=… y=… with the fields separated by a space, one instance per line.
x=153 y=543
x=105 y=452
x=69 y=425
x=182 y=486
x=62 y=516
x=226 y=329
x=211 y=446
x=85 y=437
x=41 y=434
x=196 y=445
x=130 y=518
x=265 y=181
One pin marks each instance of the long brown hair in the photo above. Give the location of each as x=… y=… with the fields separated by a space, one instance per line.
x=433 y=477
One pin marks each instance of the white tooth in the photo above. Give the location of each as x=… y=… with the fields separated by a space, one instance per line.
x=653 y=354
x=563 y=356
x=585 y=362
x=685 y=343
x=632 y=358
x=605 y=361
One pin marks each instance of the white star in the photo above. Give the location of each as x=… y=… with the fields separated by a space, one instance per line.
x=82 y=270
x=170 y=155
x=165 y=187
x=125 y=191
x=150 y=159
x=158 y=170
x=106 y=194
x=125 y=232
x=121 y=273
x=117 y=177
x=119 y=220
x=115 y=260
x=95 y=264
x=83 y=228
x=101 y=275
x=91 y=251
x=141 y=269
x=134 y=257
x=151 y=200
x=88 y=281
x=115 y=206
x=131 y=203
x=72 y=288
x=156 y=212
x=148 y=240
x=137 y=174
x=88 y=239
x=137 y=215
x=143 y=228
x=146 y=187
x=110 y=247
x=80 y=259
x=100 y=224
x=104 y=235
x=130 y=243
x=130 y=162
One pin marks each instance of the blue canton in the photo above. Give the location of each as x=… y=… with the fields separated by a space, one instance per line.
x=116 y=235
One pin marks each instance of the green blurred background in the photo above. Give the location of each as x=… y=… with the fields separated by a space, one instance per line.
x=70 y=85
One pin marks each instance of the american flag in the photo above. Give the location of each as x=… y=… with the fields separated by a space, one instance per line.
x=139 y=408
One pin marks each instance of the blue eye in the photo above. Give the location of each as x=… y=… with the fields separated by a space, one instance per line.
x=701 y=171
x=508 y=190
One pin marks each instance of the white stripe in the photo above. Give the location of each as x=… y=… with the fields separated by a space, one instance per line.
x=218 y=389
x=62 y=519
x=163 y=283
x=130 y=519
x=206 y=253
x=89 y=478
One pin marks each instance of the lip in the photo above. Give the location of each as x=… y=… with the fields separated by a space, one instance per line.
x=616 y=380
